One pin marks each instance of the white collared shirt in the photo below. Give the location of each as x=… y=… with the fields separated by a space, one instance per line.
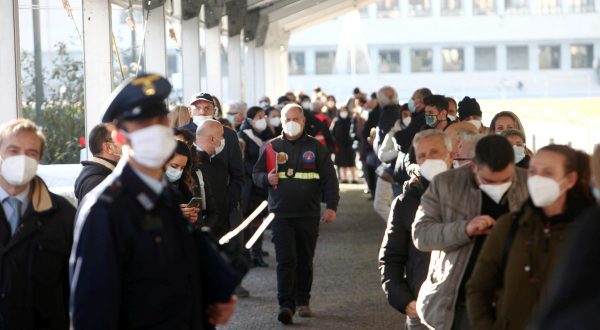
x=155 y=185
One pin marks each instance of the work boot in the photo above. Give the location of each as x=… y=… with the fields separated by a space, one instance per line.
x=285 y=315
x=241 y=292
x=304 y=311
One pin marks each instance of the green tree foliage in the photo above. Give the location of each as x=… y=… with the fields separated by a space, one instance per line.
x=62 y=108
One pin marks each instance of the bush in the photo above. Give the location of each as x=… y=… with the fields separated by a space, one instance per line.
x=63 y=118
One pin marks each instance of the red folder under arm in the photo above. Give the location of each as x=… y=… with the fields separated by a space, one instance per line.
x=271 y=158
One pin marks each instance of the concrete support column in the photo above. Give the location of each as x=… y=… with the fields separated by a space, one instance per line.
x=234 y=65
x=500 y=8
x=468 y=7
x=155 y=43
x=97 y=50
x=190 y=54
x=501 y=58
x=405 y=60
x=213 y=62
x=248 y=83
x=259 y=75
x=436 y=8
x=469 y=58
x=565 y=56
x=10 y=60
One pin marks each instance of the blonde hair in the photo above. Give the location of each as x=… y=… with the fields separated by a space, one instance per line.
x=22 y=125
x=179 y=116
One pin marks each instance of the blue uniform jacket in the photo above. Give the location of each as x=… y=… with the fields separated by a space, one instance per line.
x=134 y=262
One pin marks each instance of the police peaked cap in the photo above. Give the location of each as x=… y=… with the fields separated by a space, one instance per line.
x=136 y=98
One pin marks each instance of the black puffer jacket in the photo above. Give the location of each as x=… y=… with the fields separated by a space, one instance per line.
x=398 y=255
x=34 y=275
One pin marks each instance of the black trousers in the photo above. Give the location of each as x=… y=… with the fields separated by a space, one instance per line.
x=295 y=240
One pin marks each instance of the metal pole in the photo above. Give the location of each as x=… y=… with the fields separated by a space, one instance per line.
x=37 y=56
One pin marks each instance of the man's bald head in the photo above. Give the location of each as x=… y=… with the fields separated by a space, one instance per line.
x=209 y=135
x=292 y=107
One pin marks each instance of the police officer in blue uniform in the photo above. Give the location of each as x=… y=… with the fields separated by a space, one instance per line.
x=135 y=262
x=303 y=177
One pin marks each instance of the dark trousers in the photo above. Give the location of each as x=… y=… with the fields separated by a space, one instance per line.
x=295 y=240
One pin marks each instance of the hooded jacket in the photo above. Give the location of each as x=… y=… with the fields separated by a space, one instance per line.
x=34 y=276
x=93 y=172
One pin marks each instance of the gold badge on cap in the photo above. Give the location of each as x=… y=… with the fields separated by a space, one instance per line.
x=147 y=84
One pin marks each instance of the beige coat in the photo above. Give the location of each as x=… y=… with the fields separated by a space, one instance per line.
x=453 y=199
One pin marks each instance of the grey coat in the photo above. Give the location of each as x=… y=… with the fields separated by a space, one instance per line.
x=452 y=200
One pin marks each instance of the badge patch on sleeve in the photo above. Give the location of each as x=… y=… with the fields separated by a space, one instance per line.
x=282 y=158
x=309 y=157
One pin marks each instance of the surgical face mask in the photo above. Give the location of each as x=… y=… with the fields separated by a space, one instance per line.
x=452 y=117
x=18 y=170
x=200 y=119
x=263 y=104
x=153 y=145
x=495 y=191
x=231 y=119
x=542 y=190
x=432 y=167
x=431 y=120
x=306 y=105
x=173 y=174
x=406 y=121
x=275 y=121
x=519 y=153
x=411 y=106
x=260 y=125
x=292 y=128
x=476 y=122
x=220 y=147
x=344 y=114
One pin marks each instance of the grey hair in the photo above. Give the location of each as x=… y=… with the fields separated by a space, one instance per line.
x=240 y=106
x=471 y=139
x=514 y=132
x=433 y=132
x=291 y=106
x=383 y=99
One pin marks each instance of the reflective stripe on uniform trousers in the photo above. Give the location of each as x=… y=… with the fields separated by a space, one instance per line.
x=301 y=176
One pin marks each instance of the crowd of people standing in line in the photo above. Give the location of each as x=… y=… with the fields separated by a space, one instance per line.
x=481 y=233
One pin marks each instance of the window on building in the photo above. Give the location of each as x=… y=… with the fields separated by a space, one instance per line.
x=517 y=57
x=484 y=7
x=324 y=62
x=582 y=56
x=452 y=7
x=296 y=63
x=421 y=60
x=389 y=61
x=453 y=59
x=388 y=8
x=419 y=8
x=581 y=6
x=485 y=58
x=549 y=57
x=547 y=7
x=517 y=6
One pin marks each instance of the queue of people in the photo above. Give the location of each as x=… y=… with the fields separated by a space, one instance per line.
x=482 y=232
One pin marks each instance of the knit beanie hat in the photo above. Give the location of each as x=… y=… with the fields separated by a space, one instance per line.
x=468 y=107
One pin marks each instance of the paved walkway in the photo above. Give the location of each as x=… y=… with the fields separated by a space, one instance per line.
x=346 y=290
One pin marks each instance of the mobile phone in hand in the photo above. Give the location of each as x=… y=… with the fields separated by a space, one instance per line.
x=194 y=202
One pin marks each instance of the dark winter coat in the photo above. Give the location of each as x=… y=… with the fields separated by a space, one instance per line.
x=34 y=276
x=517 y=281
x=403 y=267
x=93 y=172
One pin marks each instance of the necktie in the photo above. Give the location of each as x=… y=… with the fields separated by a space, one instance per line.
x=15 y=204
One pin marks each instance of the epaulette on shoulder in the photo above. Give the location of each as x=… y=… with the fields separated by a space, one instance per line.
x=111 y=192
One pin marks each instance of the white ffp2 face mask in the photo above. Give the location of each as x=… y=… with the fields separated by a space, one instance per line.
x=153 y=145
x=476 y=122
x=495 y=191
x=19 y=170
x=200 y=119
x=543 y=191
x=432 y=167
x=292 y=128
x=260 y=125
x=275 y=121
